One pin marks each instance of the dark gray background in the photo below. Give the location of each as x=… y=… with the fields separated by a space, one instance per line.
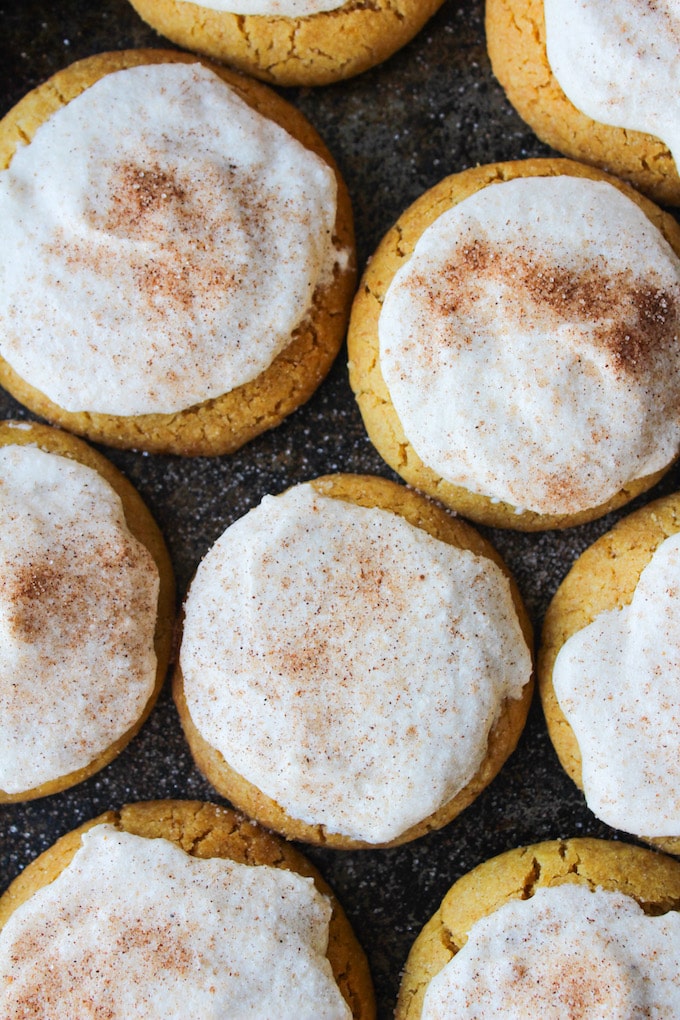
x=431 y=110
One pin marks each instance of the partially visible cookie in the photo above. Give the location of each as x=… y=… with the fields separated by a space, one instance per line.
x=610 y=75
x=512 y=351
x=87 y=603
x=290 y=42
x=542 y=955
x=168 y=901
x=178 y=254
x=608 y=670
x=355 y=664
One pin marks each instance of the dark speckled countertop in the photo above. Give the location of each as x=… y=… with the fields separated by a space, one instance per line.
x=431 y=110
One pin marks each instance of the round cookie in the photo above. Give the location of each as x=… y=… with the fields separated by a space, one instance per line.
x=354 y=801
x=455 y=293
x=205 y=831
x=297 y=49
x=649 y=878
x=224 y=421
x=604 y=580
x=35 y=593
x=516 y=42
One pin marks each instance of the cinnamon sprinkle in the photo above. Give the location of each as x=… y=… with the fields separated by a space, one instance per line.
x=634 y=321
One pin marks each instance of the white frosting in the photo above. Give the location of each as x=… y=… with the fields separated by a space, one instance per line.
x=564 y=952
x=273 y=8
x=617 y=683
x=530 y=344
x=618 y=61
x=78 y=606
x=135 y=927
x=347 y=663
x=161 y=242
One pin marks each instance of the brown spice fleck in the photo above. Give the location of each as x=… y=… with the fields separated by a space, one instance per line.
x=84 y=983
x=64 y=589
x=138 y=192
x=168 y=281
x=34 y=590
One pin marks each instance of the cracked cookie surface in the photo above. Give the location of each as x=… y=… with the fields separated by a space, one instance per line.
x=651 y=879
x=315 y=50
x=206 y=830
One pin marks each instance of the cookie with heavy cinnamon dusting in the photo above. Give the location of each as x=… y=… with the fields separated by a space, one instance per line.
x=196 y=289
x=290 y=43
x=508 y=332
x=203 y=832
x=649 y=879
x=87 y=592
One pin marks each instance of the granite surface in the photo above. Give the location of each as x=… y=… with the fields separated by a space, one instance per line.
x=433 y=109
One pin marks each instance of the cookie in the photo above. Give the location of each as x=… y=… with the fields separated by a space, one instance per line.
x=355 y=663
x=599 y=86
x=512 y=351
x=290 y=42
x=589 y=894
x=182 y=908
x=87 y=602
x=178 y=256
x=608 y=657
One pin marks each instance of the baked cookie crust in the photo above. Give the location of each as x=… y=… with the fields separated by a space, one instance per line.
x=206 y=830
x=604 y=577
x=650 y=878
x=380 y=418
x=315 y=50
x=515 y=36
x=369 y=491
x=142 y=525
x=223 y=424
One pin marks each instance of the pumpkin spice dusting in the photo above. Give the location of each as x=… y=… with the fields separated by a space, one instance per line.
x=562 y=298
x=172 y=934
x=316 y=712
x=78 y=607
x=181 y=212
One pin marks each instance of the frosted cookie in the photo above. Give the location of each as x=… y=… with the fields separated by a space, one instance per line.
x=581 y=928
x=182 y=909
x=598 y=81
x=354 y=666
x=290 y=42
x=513 y=346
x=178 y=257
x=609 y=664
x=87 y=611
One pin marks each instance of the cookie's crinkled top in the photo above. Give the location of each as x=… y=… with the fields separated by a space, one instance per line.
x=566 y=951
x=616 y=681
x=618 y=61
x=161 y=242
x=531 y=346
x=78 y=607
x=135 y=927
x=347 y=663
